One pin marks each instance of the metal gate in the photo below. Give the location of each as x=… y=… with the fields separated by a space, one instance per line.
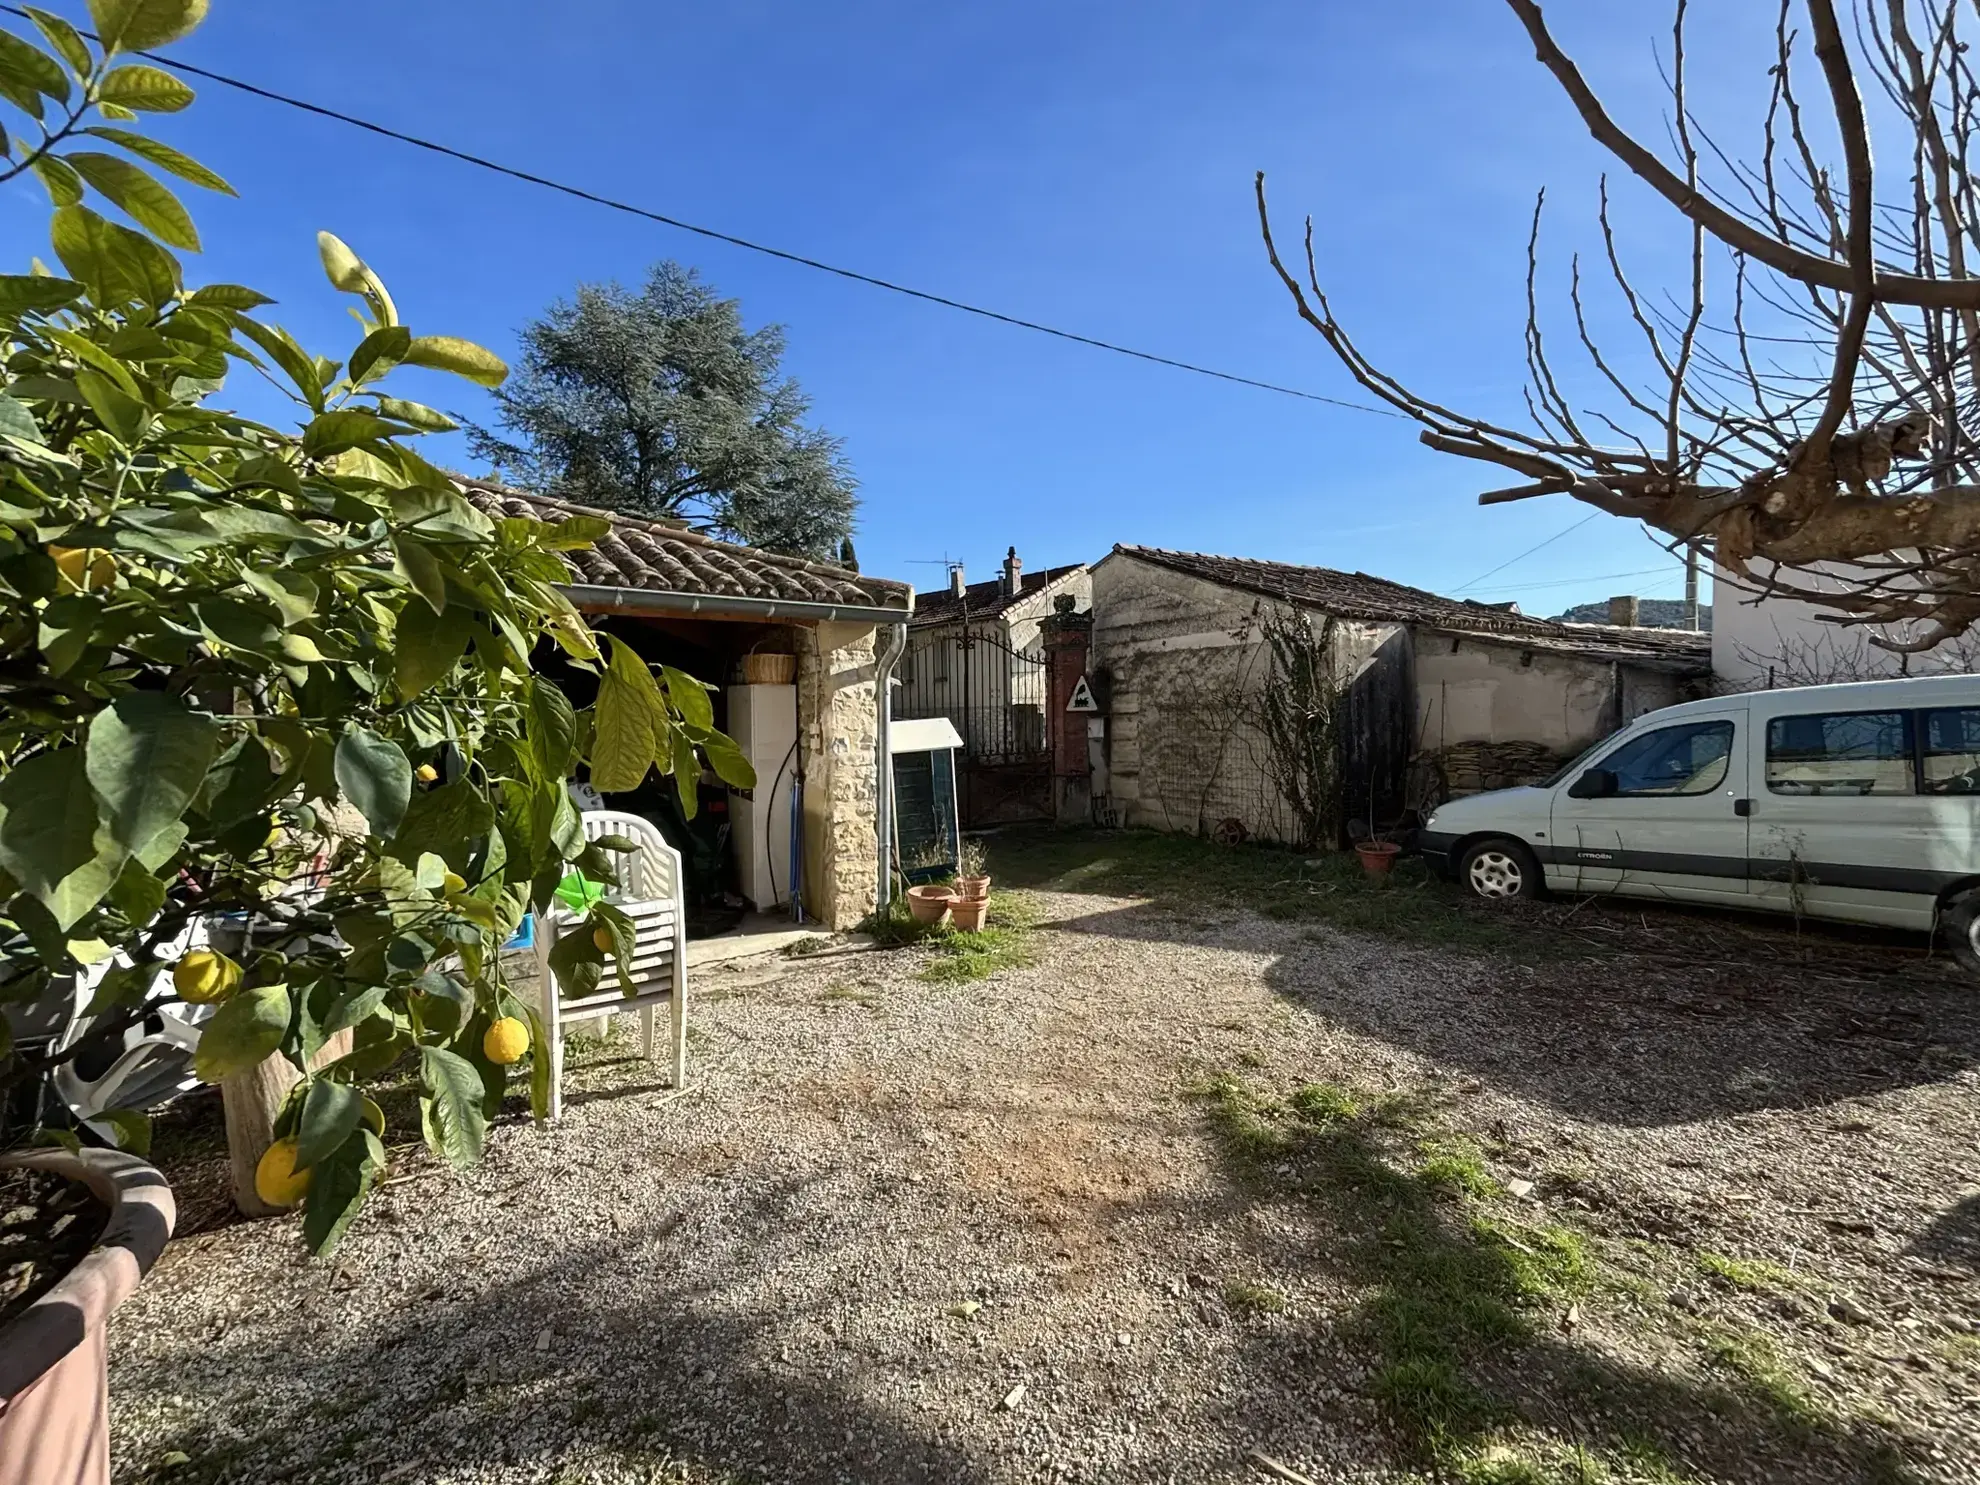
x=994 y=694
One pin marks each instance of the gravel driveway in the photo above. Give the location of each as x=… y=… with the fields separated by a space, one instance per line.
x=899 y=1231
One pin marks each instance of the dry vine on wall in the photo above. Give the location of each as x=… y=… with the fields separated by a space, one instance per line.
x=1299 y=712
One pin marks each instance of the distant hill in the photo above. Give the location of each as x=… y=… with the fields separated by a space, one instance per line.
x=1653 y=613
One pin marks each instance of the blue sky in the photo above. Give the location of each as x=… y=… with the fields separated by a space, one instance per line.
x=1088 y=165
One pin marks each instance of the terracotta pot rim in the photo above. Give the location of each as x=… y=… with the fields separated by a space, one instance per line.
x=969 y=888
x=142 y=1213
x=1377 y=847
x=931 y=893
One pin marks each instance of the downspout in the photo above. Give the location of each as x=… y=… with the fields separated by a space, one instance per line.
x=883 y=764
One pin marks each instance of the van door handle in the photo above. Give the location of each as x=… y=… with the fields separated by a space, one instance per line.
x=1742 y=807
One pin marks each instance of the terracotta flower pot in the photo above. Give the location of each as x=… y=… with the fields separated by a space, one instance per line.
x=1377 y=856
x=969 y=913
x=930 y=904
x=54 y=1381
x=970 y=889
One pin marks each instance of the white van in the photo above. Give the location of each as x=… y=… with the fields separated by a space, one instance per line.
x=1858 y=802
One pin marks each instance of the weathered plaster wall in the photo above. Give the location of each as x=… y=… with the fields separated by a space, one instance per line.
x=838 y=730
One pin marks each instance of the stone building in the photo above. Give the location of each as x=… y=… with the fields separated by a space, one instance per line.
x=1439 y=694
x=815 y=737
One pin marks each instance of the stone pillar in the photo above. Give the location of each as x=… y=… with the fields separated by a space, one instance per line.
x=838 y=732
x=1067 y=637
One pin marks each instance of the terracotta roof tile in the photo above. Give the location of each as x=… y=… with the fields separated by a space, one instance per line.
x=658 y=557
x=1357 y=595
x=986 y=599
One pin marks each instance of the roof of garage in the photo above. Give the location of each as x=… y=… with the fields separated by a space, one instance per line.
x=648 y=556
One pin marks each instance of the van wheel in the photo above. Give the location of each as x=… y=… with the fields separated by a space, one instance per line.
x=1499 y=869
x=1960 y=921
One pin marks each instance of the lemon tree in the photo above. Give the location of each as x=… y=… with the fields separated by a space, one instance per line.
x=275 y=680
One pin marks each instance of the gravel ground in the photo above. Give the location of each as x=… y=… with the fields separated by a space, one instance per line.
x=906 y=1232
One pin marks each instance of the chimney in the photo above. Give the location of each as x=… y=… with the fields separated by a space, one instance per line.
x=956 y=581
x=1013 y=573
x=1625 y=612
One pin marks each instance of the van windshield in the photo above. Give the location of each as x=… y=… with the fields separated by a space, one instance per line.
x=1561 y=773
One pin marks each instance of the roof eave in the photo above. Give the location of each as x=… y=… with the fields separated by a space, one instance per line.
x=596 y=598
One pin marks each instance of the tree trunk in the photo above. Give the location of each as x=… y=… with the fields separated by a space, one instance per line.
x=252 y=1099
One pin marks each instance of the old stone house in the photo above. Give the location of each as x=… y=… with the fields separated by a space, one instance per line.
x=816 y=739
x=1440 y=695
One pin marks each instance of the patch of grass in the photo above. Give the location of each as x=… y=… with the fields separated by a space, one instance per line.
x=1323 y=1103
x=1639 y=1459
x=1004 y=942
x=1755 y=1274
x=1455 y=1165
x=1752 y=1357
x=1186 y=874
x=1247 y=1297
x=804 y=948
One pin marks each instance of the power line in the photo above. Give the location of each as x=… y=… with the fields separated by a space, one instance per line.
x=1527 y=553
x=745 y=243
x=1570 y=582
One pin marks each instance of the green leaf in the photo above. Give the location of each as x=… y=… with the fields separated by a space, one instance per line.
x=462 y=357
x=293 y=593
x=137 y=893
x=64 y=37
x=22 y=293
x=25 y=63
x=690 y=698
x=144 y=25
x=413 y=414
x=539 y=1065
x=147 y=757
x=239 y=626
x=330 y=1115
x=117 y=264
x=17 y=422
x=450 y=822
x=133 y=1130
x=337 y=1191
x=576 y=961
x=242 y=786
x=47 y=822
x=296 y=363
x=454 y=1124
x=23 y=96
x=184 y=166
x=145 y=89
x=630 y=722
x=730 y=766
x=344 y=268
x=378 y=353
x=247 y=1028
x=428 y=647
x=333 y=432
x=573 y=533
x=65 y=187
x=354 y=1005
x=551 y=729
x=423 y=570
x=687 y=773
x=141 y=195
x=373 y=774
x=228 y=296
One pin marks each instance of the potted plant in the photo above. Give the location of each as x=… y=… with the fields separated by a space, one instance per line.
x=972 y=874
x=931 y=902
x=227 y=651
x=1378 y=857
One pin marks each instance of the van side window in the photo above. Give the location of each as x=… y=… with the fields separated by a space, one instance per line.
x=1673 y=760
x=1952 y=751
x=1840 y=753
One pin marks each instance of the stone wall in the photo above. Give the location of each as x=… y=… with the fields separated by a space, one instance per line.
x=839 y=731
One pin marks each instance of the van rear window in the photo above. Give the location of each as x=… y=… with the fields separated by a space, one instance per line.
x=1952 y=751
x=1840 y=753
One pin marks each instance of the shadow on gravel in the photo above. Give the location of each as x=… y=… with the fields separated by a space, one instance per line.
x=596 y=1366
x=1616 y=1013
x=1953 y=1238
x=1469 y=1324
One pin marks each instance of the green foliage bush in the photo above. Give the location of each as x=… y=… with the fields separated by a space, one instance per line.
x=272 y=678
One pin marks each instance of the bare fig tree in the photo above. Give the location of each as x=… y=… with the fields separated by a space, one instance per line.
x=1821 y=419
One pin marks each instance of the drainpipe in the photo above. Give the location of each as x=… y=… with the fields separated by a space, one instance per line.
x=883 y=794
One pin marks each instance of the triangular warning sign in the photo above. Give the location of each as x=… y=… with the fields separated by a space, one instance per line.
x=1082 y=698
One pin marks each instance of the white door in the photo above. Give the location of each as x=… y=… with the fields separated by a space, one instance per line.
x=1667 y=819
x=1840 y=827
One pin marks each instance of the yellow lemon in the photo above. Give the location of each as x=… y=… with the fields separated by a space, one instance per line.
x=602 y=937
x=505 y=1041
x=426 y=773
x=84 y=567
x=276 y=1179
x=453 y=881
x=204 y=976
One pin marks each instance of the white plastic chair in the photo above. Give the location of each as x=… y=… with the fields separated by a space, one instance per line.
x=650 y=895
